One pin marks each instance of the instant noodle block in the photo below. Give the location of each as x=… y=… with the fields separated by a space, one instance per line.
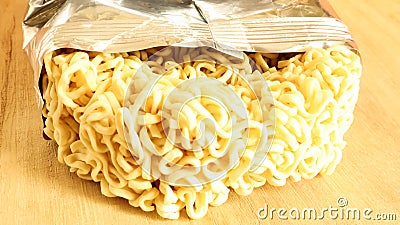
x=304 y=106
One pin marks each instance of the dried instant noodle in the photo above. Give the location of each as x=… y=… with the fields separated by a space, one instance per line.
x=313 y=94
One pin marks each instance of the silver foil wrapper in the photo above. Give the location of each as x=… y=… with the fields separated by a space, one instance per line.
x=230 y=26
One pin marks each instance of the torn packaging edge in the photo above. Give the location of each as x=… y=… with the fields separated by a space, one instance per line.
x=106 y=26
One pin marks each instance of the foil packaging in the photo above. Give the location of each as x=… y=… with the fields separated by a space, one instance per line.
x=230 y=26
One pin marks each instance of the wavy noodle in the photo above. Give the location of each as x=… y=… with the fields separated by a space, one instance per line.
x=311 y=97
x=313 y=112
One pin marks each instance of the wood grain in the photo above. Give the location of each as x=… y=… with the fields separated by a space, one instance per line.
x=36 y=189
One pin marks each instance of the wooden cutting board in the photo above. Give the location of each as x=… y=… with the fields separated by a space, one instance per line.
x=36 y=189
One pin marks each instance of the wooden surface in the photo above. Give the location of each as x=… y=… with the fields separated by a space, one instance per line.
x=37 y=189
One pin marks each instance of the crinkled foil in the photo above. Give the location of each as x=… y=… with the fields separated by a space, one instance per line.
x=230 y=26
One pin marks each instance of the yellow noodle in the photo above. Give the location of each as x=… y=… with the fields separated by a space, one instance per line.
x=311 y=96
